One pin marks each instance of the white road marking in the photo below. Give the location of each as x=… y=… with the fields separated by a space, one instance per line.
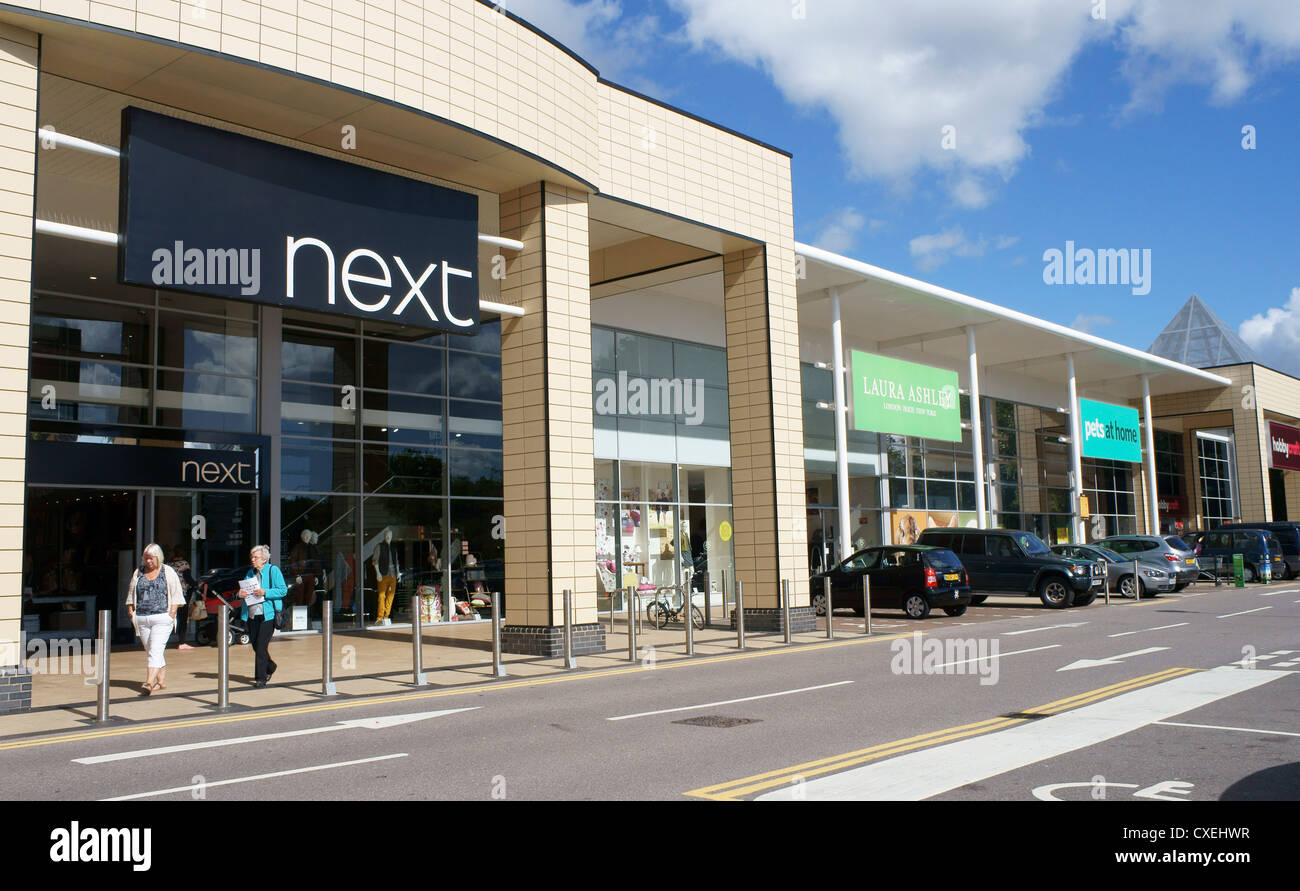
x=1044 y=628
x=1283 y=591
x=939 y=769
x=992 y=656
x=1108 y=660
x=1157 y=628
x=1244 y=611
x=1217 y=727
x=261 y=776
x=687 y=708
x=378 y=723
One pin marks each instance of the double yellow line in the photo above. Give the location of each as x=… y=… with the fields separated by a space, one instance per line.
x=736 y=790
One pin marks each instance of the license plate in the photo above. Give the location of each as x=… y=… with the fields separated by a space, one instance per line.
x=952 y=576
x=1191 y=560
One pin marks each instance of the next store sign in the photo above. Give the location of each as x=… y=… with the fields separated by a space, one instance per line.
x=1110 y=431
x=893 y=396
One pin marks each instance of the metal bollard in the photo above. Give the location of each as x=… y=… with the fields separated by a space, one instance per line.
x=631 y=626
x=724 y=594
x=785 y=607
x=830 y=628
x=1218 y=565
x=1106 y=585
x=740 y=616
x=327 y=687
x=417 y=643
x=104 y=645
x=866 y=602
x=686 y=618
x=223 y=658
x=499 y=670
x=569 y=661
x=1137 y=584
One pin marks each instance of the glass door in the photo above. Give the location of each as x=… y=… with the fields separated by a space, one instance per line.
x=211 y=531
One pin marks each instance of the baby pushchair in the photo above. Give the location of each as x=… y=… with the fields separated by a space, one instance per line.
x=205 y=630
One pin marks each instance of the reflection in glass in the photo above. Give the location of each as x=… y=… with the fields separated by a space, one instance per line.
x=207 y=402
x=403 y=469
x=94 y=392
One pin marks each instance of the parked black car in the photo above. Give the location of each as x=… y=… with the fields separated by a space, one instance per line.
x=1287 y=535
x=1014 y=561
x=913 y=577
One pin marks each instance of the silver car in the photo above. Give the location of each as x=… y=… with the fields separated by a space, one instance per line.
x=1170 y=551
x=1153 y=578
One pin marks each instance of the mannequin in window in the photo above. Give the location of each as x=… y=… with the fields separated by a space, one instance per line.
x=305 y=565
x=389 y=571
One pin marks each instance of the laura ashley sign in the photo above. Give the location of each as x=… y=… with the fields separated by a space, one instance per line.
x=211 y=212
x=893 y=396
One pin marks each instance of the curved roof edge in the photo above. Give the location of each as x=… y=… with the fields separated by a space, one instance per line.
x=903 y=281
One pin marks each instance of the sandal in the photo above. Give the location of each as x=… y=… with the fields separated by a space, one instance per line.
x=146 y=689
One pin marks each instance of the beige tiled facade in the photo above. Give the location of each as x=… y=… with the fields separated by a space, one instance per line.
x=548 y=476
x=18 y=90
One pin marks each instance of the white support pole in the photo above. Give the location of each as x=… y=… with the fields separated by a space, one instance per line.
x=841 y=430
x=1076 y=460
x=976 y=428
x=1153 y=497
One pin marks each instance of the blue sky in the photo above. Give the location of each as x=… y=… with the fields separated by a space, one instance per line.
x=1115 y=125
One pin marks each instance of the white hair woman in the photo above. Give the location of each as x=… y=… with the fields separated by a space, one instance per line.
x=259 y=618
x=152 y=599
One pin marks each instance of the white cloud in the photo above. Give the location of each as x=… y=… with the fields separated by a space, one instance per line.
x=1088 y=324
x=838 y=231
x=597 y=30
x=1275 y=335
x=894 y=75
x=938 y=248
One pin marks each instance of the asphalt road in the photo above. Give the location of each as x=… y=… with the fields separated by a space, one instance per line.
x=1163 y=701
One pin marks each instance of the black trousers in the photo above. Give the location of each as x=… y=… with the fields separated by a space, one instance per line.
x=259 y=635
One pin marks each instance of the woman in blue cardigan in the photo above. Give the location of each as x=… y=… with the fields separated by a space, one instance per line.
x=260 y=617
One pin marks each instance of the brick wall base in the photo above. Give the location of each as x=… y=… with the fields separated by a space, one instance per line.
x=15 y=690
x=802 y=619
x=542 y=640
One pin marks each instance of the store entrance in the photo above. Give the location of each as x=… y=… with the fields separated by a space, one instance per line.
x=82 y=545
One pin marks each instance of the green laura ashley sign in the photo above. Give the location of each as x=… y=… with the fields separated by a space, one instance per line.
x=893 y=396
x=1109 y=431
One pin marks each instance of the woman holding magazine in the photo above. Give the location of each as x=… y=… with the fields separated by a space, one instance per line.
x=263 y=591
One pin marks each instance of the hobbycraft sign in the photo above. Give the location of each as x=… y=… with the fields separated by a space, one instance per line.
x=893 y=396
x=1110 y=431
x=206 y=211
x=1284 y=446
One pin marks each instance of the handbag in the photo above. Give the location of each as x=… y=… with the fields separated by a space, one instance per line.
x=198 y=609
x=281 y=617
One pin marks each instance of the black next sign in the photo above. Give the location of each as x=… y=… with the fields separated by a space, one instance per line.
x=211 y=212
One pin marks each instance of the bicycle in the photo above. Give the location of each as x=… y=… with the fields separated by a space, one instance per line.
x=660 y=611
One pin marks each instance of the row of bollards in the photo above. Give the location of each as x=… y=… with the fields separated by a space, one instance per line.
x=420 y=678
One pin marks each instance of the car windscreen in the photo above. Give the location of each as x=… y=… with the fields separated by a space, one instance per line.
x=1177 y=543
x=1031 y=544
x=942 y=559
x=1274 y=546
x=1109 y=554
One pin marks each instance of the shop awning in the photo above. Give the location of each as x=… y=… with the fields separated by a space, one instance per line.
x=900 y=316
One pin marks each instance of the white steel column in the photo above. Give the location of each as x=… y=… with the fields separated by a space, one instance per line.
x=1153 y=497
x=841 y=430
x=1076 y=460
x=976 y=427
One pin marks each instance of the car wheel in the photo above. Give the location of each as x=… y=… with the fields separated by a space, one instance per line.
x=979 y=598
x=955 y=611
x=1180 y=586
x=1128 y=588
x=819 y=604
x=1055 y=593
x=1251 y=574
x=916 y=606
x=1085 y=599
x=1286 y=573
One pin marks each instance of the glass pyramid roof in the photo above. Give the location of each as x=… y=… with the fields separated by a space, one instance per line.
x=1199 y=338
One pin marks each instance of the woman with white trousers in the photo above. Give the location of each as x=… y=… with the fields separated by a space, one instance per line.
x=152 y=600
